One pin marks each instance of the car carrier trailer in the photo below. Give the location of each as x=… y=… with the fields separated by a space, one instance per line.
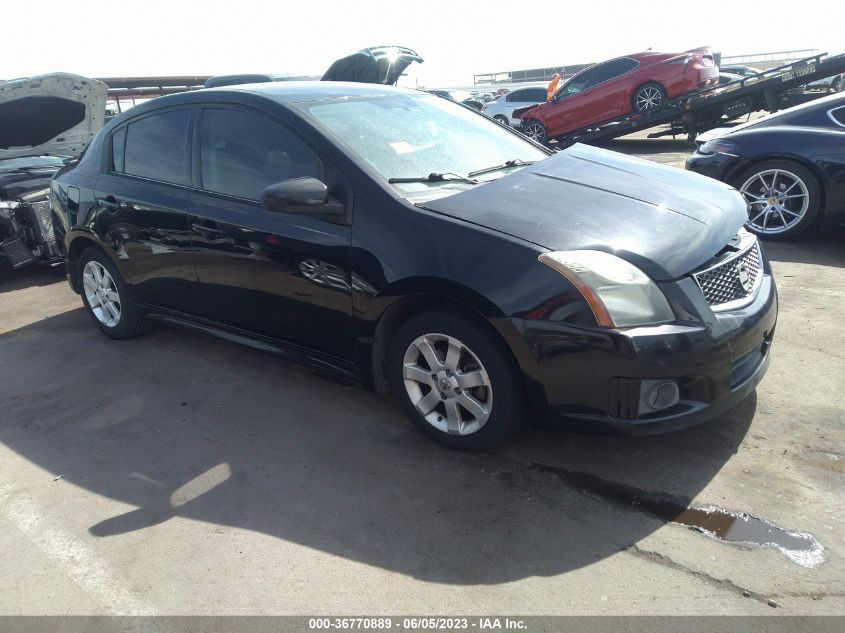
x=704 y=109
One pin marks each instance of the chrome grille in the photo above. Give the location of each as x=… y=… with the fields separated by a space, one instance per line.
x=733 y=283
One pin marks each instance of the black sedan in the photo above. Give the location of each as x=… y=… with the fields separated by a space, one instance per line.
x=789 y=166
x=399 y=239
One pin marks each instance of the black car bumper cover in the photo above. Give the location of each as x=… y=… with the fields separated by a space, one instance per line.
x=713 y=165
x=591 y=377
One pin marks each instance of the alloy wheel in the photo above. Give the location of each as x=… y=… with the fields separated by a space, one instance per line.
x=777 y=200
x=535 y=131
x=649 y=99
x=447 y=384
x=101 y=293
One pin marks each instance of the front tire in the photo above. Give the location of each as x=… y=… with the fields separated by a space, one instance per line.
x=536 y=131
x=456 y=380
x=783 y=198
x=107 y=297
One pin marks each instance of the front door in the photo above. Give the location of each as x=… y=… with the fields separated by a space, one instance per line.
x=284 y=276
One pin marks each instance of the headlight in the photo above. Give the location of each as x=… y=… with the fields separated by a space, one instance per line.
x=620 y=294
x=719 y=146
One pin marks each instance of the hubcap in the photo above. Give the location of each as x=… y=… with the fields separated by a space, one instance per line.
x=648 y=99
x=777 y=200
x=447 y=384
x=101 y=293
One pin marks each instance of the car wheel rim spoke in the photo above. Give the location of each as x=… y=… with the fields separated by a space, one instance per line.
x=454 y=424
x=781 y=210
x=649 y=99
x=447 y=384
x=101 y=293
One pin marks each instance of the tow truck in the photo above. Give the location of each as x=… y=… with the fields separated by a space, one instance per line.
x=704 y=109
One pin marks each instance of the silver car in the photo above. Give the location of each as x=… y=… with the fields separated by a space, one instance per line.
x=502 y=108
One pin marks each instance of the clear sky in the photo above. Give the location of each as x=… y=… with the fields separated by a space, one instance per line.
x=457 y=39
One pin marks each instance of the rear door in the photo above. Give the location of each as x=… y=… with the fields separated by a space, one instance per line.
x=613 y=95
x=284 y=276
x=142 y=206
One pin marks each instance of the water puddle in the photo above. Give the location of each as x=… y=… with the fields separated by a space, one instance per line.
x=725 y=525
x=742 y=528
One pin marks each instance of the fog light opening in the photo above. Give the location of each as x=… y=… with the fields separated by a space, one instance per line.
x=656 y=395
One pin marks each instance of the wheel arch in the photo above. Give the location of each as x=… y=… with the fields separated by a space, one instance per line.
x=402 y=300
x=77 y=242
x=732 y=177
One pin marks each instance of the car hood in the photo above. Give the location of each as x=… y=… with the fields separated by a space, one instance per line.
x=377 y=65
x=56 y=114
x=662 y=219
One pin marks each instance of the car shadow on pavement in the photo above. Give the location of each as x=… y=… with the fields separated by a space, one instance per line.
x=11 y=280
x=826 y=248
x=176 y=424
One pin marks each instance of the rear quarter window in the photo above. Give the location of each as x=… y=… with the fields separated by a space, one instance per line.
x=838 y=115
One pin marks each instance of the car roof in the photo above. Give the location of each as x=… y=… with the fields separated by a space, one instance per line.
x=299 y=91
x=796 y=115
x=286 y=93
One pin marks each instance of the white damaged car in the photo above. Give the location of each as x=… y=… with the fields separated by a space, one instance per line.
x=45 y=121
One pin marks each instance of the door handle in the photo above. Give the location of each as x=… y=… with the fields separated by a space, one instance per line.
x=109 y=203
x=208 y=231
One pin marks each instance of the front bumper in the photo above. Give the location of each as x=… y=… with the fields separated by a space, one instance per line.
x=716 y=166
x=591 y=377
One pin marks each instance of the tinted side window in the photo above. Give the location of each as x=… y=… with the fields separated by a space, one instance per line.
x=516 y=95
x=535 y=95
x=156 y=147
x=118 y=144
x=581 y=81
x=838 y=115
x=242 y=153
x=616 y=67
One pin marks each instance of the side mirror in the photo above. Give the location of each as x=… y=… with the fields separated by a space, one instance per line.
x=301 y=195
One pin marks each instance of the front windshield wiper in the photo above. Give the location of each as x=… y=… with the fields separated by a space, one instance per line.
x=516 y=162
x=435 y=177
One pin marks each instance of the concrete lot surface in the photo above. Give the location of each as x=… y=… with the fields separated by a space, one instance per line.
x=178 y=474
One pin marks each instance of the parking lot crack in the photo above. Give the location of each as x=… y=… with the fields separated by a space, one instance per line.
x=719 y=583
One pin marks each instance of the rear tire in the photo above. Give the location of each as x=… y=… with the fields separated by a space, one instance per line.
x=501 y=118
x=107 y=298
x=456 y=380
x=649 y=98
x=783 y=198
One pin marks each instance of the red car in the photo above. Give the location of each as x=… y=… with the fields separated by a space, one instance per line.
x=640 y=83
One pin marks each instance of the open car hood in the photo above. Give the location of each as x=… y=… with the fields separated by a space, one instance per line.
x=56 y=114
x=376 y=65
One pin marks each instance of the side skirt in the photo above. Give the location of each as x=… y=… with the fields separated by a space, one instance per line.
x=319 y=360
